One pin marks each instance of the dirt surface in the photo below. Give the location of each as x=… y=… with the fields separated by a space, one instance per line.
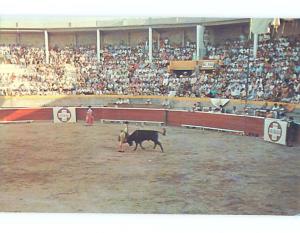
x=46 y=167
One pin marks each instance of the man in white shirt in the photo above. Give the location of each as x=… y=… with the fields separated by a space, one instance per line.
x=260 y=94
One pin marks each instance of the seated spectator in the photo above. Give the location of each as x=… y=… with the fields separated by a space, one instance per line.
x=260 y=94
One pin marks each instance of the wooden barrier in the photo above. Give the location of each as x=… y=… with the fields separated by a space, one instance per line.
x=19 y=114
x=252 y=126
x=133 y=121
x=213 y=128
x=16 y=122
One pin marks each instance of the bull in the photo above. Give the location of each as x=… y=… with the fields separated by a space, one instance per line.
x=138 y=136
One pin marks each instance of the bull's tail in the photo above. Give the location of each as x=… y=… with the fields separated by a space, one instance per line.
x=163 y=132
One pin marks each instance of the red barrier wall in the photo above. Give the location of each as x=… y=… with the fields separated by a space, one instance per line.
x=250 y=125
x=14 y=114
x=123 y=114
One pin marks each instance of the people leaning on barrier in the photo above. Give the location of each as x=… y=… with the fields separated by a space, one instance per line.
x=281 y=112
x=269 y=114
x=275 y=110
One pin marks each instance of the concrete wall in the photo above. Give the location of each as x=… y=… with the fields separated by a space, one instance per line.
x=114 y=37
x=8 y=38
x=128 y=37
x=289 y=28
x=67 y=22
x=190 y=34
x=174 y=35
x=86 y=38
x=23 y=38
x=32 y=39
x=218 y=34
x=62 y=39
x=138 y=36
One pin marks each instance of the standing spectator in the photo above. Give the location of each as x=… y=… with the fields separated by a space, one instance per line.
x=291 y=132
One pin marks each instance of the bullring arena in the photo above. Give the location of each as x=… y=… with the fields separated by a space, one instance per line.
x=224 y=123
x=71 y=167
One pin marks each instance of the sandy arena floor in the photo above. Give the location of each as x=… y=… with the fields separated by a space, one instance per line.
x=46 y=167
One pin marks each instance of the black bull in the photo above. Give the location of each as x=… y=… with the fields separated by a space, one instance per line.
x=138 y=136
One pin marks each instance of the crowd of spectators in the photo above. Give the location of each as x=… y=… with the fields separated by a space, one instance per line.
x=273 y=75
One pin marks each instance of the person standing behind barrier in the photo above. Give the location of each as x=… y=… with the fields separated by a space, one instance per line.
x=275 y=109
x=89 y=119
x=291 y=132
x=234 y=110
x=123 y=137
x=269 y=114
x=281 y=111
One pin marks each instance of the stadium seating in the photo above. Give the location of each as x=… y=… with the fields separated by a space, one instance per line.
x=273 y=75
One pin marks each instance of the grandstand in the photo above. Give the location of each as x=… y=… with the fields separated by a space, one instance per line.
x=216 y=74
x=132 y=57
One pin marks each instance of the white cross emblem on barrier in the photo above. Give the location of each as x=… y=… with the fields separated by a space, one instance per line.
x=274 y=131
x=64 y=115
